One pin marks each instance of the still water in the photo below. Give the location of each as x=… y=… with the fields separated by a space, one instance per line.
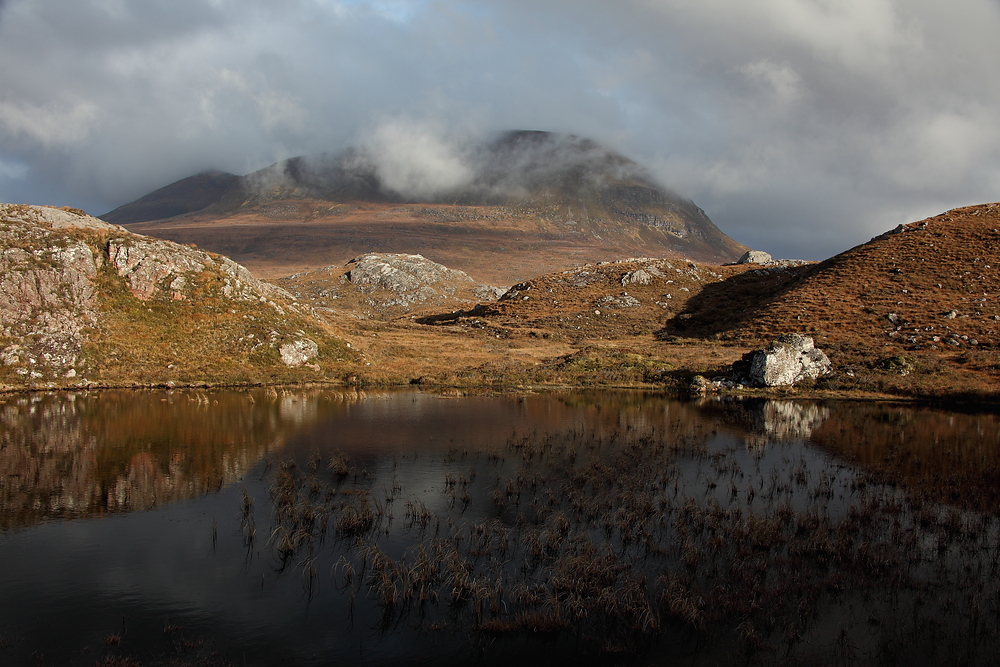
x=322 y=527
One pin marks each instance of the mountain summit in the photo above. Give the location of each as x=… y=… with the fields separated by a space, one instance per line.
x=544 y=199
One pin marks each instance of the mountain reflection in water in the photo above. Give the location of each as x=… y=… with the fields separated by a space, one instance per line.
x=84 y=454
x=679 y=498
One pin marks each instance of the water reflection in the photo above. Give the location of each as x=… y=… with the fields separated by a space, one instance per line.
x=84 y=454
x=716 y=522
x=763 y=421
x=942 y=455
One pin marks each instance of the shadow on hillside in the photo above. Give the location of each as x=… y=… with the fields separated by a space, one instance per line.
x=726 y=306
x=453 y=316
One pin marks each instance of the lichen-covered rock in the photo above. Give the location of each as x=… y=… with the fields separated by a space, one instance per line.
x=298 y=352
x=46 y=295
x=152 y=267
x=789 y=359
x=412 y=279
x=138 y=261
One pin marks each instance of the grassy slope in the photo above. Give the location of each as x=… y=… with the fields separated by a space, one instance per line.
x=875 y=309
x=206 y=338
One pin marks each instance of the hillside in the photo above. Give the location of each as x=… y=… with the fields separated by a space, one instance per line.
x=927 y=285
x=529 y=202
x=913 y=311
x=84 y=303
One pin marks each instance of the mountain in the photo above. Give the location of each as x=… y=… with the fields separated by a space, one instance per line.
x=514 y=206
x=215 y=189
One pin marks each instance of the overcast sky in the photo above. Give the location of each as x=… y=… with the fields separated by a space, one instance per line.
x=802 y=127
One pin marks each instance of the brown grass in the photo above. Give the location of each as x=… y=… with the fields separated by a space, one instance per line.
x=204 y=339
x=494 y=244
x=876 y=310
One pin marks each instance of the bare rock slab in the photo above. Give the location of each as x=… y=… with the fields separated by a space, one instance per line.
x=787 y=360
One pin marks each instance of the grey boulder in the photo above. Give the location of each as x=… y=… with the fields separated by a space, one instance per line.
x=789 y=359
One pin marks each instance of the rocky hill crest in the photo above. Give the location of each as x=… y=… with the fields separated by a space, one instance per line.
x=83 y=302
x=389 y=284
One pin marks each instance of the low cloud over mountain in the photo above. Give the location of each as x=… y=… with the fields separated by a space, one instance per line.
x=801 y=127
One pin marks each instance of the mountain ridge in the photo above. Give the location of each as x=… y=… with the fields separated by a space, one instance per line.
x=558 y=199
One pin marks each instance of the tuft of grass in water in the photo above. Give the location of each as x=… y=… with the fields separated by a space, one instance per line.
x=624 y=540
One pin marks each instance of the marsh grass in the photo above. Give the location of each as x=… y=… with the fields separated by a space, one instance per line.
x=643 y=542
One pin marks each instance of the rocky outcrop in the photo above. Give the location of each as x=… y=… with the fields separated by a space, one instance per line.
x=378 y=285
x=59 y=267
x=47 y=298
x=641 y=276
x=789 y=359
x=412 y=279
x=617 y=302
x=298 y=352
x=153 y=266
x=762 y=258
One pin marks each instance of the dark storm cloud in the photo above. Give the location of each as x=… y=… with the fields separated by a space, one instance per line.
x=802 y=127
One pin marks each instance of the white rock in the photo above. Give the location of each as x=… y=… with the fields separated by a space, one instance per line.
x=786 y=361
x=755 y=257
x=298 y=352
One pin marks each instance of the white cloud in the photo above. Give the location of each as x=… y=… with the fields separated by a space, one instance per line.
x=417 y=159
x=783 y=83
x=276 y=108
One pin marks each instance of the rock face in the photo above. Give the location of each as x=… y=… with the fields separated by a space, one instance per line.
x=412 y=278
x=789 y=359
x=153 y=266
x=59 y=268
x=47 y=298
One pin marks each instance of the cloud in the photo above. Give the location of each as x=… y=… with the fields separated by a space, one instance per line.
x=418 y=159
x=801 y=126
x=50 y=125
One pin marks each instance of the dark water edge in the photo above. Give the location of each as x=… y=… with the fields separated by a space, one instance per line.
x=126 y=538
